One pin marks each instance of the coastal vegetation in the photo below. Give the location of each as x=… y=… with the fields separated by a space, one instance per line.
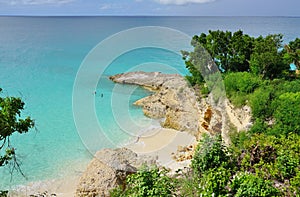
x=11 y=122
x=264 y=161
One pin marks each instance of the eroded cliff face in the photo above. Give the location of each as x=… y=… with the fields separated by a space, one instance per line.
x=172 y=99
x=176 y=103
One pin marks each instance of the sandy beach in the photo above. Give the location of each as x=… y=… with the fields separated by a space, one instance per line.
x=163 y=143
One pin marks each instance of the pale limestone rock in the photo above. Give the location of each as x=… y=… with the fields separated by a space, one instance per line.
x=108 y=170
x=172 y=99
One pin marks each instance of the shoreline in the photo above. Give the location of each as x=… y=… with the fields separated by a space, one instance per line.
x=165 y=143
x=64 y=187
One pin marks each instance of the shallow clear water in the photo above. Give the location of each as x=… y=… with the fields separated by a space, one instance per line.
x=39 y=59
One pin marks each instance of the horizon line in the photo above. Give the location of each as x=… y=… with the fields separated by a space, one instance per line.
x=25 y=15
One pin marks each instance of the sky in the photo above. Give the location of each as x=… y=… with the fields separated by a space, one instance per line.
x=151 y=7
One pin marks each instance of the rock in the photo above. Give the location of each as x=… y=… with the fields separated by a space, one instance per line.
x=180 y=149
x=173 y=99
x=108 y=170
x=176 y=103
x=240 y=117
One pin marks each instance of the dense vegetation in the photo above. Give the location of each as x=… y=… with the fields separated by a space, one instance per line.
x=264 y=161
x=11 y=123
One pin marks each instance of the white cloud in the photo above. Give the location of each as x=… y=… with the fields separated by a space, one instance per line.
x=34 y=2
x=109 y=6
x=182 y=2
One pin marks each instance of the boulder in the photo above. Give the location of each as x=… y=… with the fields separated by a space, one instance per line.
x=108 y=170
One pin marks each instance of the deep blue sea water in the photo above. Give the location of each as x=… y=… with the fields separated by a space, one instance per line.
x=39 y=60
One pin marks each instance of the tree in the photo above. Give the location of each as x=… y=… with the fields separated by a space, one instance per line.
x=11 y=123
x=241 y=46
x=230 y=51
x=292 y=54
x=266 y=59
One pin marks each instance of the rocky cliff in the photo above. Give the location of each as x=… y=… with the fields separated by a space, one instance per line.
x=175 y=102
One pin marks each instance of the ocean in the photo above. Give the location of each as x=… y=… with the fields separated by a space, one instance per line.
x=40 y=58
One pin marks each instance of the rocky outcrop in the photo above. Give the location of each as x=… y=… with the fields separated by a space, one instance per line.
x=173 y=100
x=108 y=170
x=181 y=109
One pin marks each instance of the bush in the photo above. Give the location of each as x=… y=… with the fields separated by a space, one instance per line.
x=241 y=82
x=295 y=184
x=261 y=103
x=246 y=184
x=214 y=182
x=210 y=153
x=146 y=182
x=287 y=165
x=287 y=113
x=239 y=86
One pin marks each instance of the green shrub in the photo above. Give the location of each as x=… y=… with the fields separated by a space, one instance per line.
x=261 y=103
x=295 y=184
x=146 y=182
x=287 y=165
x=210 y=153
x=241 y=82
x=287 y=113
x=214 y=182
x=246 y=184
x=188 y=185
x=259 y=126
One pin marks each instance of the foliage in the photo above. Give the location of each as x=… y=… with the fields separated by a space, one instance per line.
x=295 y=183
x=271 y=157
x=238 y=52
x=292 y=53
x=261 y=102
x=239 y=85
x=146 y=182
x=246 y=184
x=209 y=154
x=189 y=185
x=287 y=113
x=230 y=51
x=214 y=182
x=199 y=63
x=266 y=60
x=241 y=82
x=10 y=123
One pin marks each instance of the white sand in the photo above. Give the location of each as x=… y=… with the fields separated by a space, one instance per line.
x=161 y=143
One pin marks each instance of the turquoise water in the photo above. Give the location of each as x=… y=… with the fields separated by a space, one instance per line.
x=39 y=59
